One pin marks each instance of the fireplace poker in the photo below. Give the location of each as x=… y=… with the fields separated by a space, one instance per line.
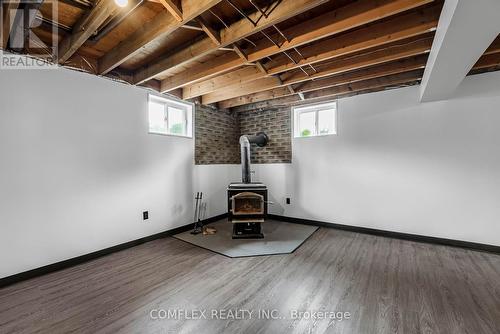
x=197 y=221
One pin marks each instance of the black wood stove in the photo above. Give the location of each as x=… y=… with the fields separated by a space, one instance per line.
x=247 y=203
x=247 y=200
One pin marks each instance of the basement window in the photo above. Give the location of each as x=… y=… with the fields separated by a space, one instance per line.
x=170 y=117
x=315 y=120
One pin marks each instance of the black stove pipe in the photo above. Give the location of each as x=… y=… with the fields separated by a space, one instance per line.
x=260 y=139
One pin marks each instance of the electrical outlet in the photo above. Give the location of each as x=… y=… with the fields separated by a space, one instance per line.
x=145 y=215
x=288 y=200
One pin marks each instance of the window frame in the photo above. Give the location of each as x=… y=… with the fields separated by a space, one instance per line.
x=186 y=107
x=315 y=108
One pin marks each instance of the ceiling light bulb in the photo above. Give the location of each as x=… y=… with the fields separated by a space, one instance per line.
x=121 y=3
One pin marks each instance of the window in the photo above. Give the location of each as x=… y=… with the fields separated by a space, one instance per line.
x=170 y=117
x=315 y=120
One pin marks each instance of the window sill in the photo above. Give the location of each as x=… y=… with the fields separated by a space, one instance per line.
x=169 y=135
x=316 y=136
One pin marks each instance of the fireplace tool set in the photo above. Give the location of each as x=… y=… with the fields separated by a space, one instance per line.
x=199 y=214
x=197 y=221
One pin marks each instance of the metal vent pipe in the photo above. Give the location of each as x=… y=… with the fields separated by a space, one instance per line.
x=260 y=139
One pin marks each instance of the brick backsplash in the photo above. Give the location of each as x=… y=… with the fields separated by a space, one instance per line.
x=217 y=135
x=276 y=123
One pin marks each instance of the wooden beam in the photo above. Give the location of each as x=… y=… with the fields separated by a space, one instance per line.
x=162 y=24
x=253 y=86
x=235 y=32
x=348 y=17
x=7 y=10
x=240 y=52
x=213 y=34
x=488 y=60
x=396 y=79
x=260 y=67
x=331 y=93
x=397 y=29
x=494 y=47
x=220 y=81
x=396 y=67
x=361 y=61
x=173 y=8
x=84 y=28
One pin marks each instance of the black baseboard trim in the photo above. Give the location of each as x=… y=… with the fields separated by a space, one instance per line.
x=390 y=234
x=94 y=255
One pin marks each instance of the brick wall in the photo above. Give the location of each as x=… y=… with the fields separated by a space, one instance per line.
x=276 y=123
x=217 y=135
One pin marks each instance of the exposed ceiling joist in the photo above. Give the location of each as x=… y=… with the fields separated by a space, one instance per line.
x=230 y=35
x=162 y=24
x=250 y=102
x=84 y=28
x=337 y=67
x=174 y=8
x=260 y=67
x=378 y=71
x=378 y=34
x=212 y=33
x=488 y=60
x=240 y=52
x=331 y=93
x=390 y=80
x=342 y=19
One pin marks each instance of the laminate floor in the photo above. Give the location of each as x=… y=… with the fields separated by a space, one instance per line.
x=379 y=285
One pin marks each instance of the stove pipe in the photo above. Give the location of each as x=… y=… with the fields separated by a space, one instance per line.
x=246 y=141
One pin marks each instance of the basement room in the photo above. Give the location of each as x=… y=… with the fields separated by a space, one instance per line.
x=250 y=166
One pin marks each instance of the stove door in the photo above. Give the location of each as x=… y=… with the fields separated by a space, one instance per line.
x=247 y=203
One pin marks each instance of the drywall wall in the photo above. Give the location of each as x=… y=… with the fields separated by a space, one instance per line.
x=399 y=165
x=213 y=180
x=78 y=168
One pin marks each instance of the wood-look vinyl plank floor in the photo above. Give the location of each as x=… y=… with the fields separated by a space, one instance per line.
x=387 y=286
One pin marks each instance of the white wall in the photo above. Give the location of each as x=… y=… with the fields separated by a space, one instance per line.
x=213 y=180
x=431 y=169
x=78 y=168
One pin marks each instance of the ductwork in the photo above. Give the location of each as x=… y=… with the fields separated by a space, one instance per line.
x=260 y=139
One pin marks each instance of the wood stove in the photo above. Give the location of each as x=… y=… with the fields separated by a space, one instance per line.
x=247 y=203
x=247 y=200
